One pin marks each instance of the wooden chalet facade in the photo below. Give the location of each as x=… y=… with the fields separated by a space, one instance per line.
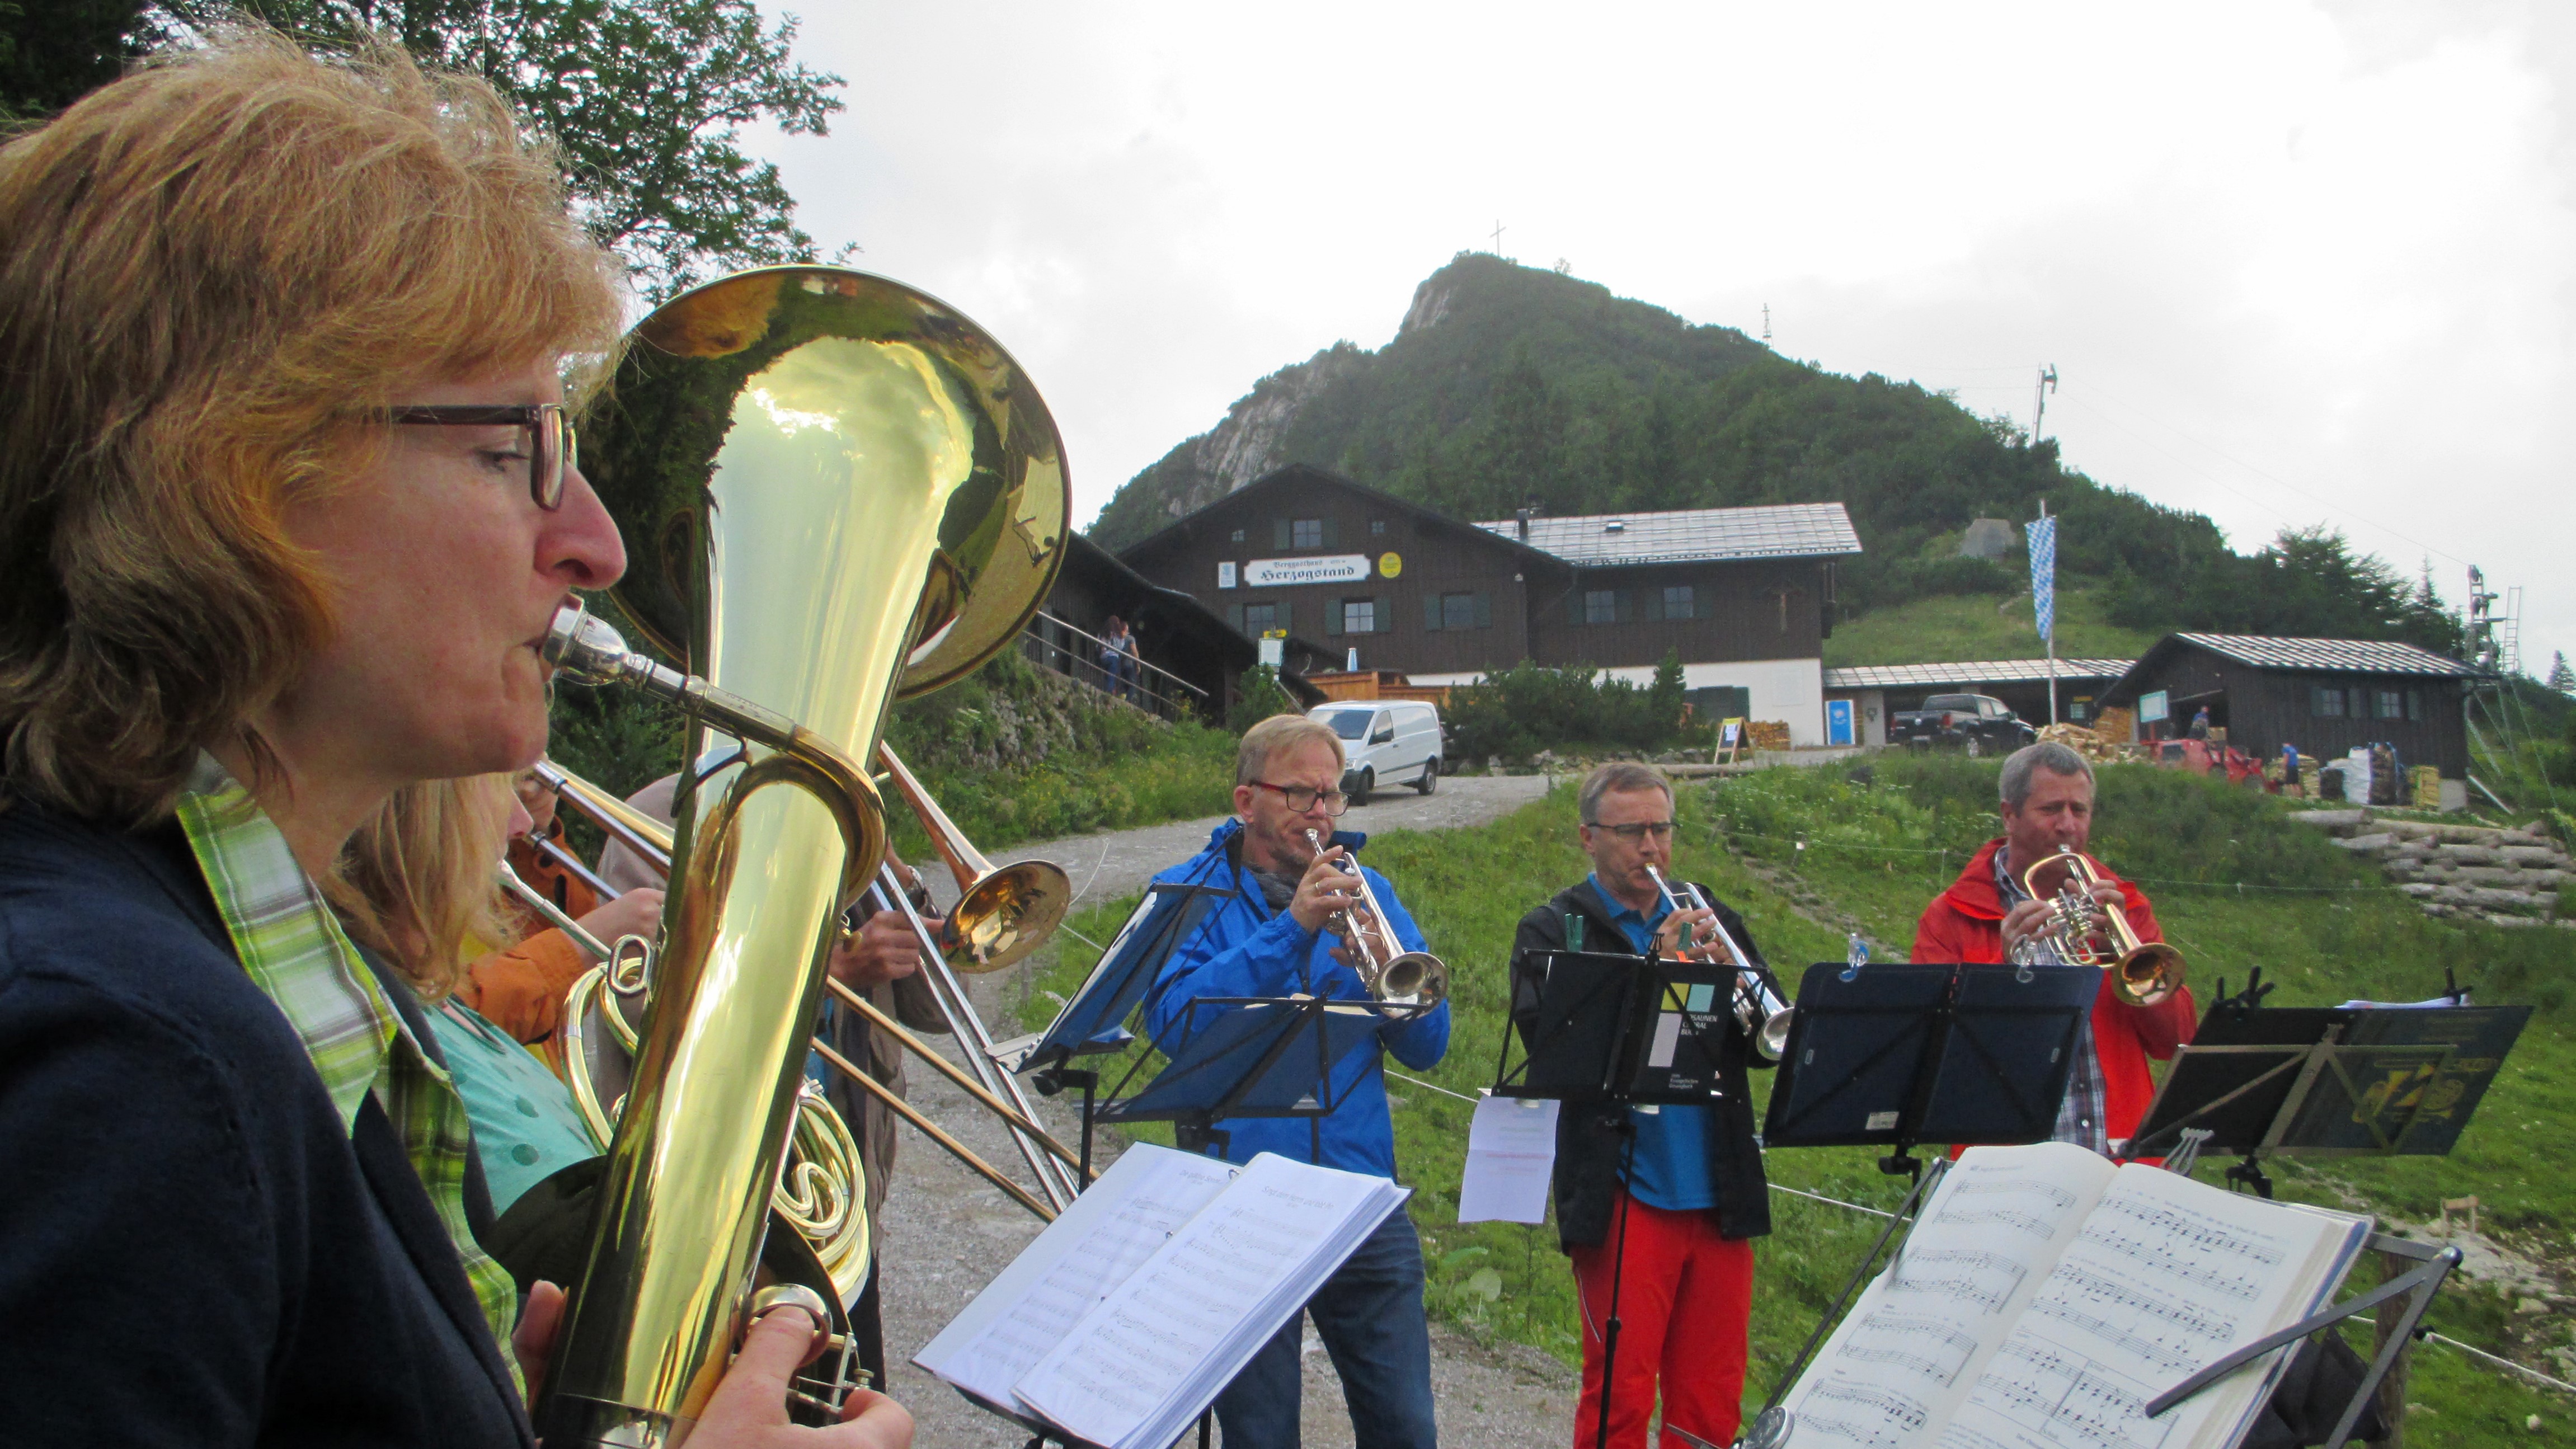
x=1742 y=595
x=2323 y=695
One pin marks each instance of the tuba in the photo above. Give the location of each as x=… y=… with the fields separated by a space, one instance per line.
x=836 y=492
x=2143 y=973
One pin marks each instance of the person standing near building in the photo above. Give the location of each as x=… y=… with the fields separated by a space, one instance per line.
x=2200 y=723
x=1271 y=940
x=1692 y=1186
x=2047 y=802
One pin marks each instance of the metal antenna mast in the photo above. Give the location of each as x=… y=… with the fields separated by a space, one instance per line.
x=2039 y=402
x=1498 y=236
x=1766 y=324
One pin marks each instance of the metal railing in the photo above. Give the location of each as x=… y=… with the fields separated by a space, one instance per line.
x=1051 y=643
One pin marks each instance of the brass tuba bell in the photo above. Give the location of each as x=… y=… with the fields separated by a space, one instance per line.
x=835 y=492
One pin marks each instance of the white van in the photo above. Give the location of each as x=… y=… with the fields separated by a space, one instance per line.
x=1385 y=742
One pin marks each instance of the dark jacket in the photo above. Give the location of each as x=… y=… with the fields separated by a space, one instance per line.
x=1589 y=1135
x=193 y=1251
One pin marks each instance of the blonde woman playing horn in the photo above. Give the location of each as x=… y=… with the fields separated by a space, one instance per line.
x=286 y=508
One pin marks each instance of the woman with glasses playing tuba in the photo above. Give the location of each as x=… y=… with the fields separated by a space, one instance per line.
x=288 y=509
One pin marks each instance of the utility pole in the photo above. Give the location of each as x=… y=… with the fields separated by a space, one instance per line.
x=2039 y=401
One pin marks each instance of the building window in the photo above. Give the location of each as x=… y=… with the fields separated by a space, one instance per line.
x=1306 y=533
x=1605 y=606
x=1238 y=535
x=2415 y=705
x=1673 y=601
x=1377 y=527
x=1359 y=616
x=2388 y=704
x=2326 y=703
x=1257 y=620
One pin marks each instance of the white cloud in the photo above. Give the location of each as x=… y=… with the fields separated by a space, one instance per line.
x=2294 y=262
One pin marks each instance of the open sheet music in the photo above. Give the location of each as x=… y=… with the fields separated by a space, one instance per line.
x=1128 y=1314
x=2044 y=1296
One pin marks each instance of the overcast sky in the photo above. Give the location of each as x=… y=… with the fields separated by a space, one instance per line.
x=2293 y=262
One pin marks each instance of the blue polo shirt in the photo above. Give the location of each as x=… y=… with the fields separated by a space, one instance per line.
x=1671 y=1167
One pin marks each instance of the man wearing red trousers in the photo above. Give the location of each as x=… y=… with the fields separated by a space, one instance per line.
x=1693 y=1190
x=2048 y=802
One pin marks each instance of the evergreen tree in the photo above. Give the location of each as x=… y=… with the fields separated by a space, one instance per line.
x=52 y=52
x=646 y=98
x=2562 y=678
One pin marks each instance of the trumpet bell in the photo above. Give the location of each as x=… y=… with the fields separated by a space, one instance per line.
x=1005 y=915
x=2148 y=975
x=1416 y=978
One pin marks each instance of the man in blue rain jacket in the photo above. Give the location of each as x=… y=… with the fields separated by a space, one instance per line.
x=1273 y=939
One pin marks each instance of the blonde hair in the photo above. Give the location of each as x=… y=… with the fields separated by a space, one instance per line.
x=215 y=275
x=419 y=879
x=1264 y=741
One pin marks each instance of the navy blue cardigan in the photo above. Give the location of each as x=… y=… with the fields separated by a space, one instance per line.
x=192 y=1249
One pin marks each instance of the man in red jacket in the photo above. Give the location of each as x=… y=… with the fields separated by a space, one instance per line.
x=2047 y=803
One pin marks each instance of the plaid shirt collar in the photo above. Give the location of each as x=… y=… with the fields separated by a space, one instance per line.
x=294 y=950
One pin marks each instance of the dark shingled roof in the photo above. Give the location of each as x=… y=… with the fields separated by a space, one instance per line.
x=2347 y=656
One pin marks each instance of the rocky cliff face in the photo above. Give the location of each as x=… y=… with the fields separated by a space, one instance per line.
x=1251 y=441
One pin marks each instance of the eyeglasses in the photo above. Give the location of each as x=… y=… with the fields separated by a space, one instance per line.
x=553 y=450
x=1301 y=799
x=1660 y=829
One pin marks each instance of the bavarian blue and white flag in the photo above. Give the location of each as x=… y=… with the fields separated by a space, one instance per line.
x=2043 y=574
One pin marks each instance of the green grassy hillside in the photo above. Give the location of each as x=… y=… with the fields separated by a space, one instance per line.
x=1982 y=626
x=1874 y=854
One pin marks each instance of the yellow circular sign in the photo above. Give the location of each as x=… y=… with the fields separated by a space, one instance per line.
x=1389 y=565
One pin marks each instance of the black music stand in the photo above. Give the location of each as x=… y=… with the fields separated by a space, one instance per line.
x=1093 y=1022
x=1626 y=1031
x=1602 y=1027
x=1262 y=1056
x=1902 y=1054
x=2328 y=1081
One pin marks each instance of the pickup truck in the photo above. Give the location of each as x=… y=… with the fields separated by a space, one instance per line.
x=1977 y=723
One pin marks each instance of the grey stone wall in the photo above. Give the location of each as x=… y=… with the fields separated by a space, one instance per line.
x=2462 y=872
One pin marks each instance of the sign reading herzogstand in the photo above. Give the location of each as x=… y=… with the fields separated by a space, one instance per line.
x=1271 y=573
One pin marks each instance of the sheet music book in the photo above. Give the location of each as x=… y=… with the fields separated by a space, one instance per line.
x=2045 y=1296
x=1127 y=1315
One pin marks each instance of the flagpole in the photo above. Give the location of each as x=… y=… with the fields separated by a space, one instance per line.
x=2052 y=617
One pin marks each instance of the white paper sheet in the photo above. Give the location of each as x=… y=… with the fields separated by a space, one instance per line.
x=1511 y=1155
x=1130 y=1212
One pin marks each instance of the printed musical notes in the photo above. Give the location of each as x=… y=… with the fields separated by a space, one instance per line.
x=2044 y=1297
x=1968 y=1278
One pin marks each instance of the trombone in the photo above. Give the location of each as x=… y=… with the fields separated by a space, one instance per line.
x=1759 y=1009
x=594 y=998
x=1408 y=978
x=2143 y=973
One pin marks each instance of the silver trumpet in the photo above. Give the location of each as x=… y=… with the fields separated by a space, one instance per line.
x=1410 y=978
x=1759 y=1008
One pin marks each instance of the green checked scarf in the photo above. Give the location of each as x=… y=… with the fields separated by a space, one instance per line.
x=295 y=951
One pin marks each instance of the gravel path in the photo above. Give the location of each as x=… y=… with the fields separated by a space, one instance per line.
x=946 y=1232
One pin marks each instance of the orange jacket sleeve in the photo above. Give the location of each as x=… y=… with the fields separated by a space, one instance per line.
x=521 y=989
